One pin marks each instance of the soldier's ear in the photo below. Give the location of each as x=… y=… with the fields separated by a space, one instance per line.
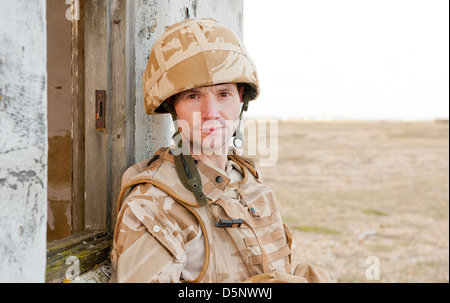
x=169 y=100
x=241 y=90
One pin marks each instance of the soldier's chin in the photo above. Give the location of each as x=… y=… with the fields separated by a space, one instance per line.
x=211 y=146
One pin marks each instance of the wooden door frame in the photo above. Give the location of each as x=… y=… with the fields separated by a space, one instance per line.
x=78 y=123
x=91 y=245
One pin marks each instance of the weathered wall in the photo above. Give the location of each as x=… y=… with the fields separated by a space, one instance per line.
x=23 y=140
x=151 y=17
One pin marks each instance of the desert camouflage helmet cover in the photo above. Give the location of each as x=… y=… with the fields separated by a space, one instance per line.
x=195 y=53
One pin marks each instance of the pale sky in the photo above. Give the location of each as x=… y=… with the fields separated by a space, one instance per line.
x=349 y=59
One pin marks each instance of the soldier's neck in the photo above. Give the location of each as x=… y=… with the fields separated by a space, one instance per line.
x=216 y=158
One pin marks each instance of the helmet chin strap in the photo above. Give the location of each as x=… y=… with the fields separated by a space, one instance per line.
x=238 y=140
x=185 y=165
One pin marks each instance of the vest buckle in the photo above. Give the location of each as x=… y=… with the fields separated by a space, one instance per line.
x=230 y=223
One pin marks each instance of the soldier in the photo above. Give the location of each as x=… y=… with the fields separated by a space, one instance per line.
x=198 y=211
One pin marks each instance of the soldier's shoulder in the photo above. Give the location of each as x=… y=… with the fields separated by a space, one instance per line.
x=145 y=167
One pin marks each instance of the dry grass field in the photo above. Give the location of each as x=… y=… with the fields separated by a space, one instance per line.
x=351 y=190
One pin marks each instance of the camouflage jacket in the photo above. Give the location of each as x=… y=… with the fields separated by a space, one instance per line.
x=162 y=235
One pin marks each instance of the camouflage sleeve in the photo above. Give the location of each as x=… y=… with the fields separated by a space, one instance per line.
x=147 y=246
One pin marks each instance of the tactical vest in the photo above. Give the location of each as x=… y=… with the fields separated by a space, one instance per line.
x=243 y=232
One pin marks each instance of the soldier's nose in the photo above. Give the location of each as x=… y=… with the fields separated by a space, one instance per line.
x=210 y=109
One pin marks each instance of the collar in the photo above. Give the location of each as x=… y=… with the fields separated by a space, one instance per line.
x=214 y=180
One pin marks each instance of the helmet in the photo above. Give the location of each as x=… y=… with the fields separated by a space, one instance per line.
x=195 y=53
x=190 y=54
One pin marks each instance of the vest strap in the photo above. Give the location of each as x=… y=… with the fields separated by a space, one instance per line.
x=190 y=177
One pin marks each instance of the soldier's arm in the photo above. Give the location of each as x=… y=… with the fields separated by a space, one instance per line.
x=140 y=257
x=145 y=250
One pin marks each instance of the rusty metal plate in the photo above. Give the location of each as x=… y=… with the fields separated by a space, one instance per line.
x=100 y=109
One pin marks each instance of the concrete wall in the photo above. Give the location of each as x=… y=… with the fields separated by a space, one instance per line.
x=23 y=140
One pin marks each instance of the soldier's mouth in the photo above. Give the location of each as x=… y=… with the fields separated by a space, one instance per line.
x=211 y=130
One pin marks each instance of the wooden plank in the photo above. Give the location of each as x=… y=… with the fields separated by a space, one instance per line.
x=117 y=109
x=59 y=246
x=131 y=81
x=78 y=122
x=96 y=147
x=89 y=248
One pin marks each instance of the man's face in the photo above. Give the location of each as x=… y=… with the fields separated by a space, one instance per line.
x=211 y=112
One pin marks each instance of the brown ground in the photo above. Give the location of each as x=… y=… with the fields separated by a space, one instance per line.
x=351 y=190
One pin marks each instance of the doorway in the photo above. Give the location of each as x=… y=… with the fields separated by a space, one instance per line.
x=65 y=111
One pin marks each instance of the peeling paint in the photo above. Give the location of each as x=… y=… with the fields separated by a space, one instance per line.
x=23 y=141
x=59 y=220
x=194 y=7
x=59 y=115
x=59 y=166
